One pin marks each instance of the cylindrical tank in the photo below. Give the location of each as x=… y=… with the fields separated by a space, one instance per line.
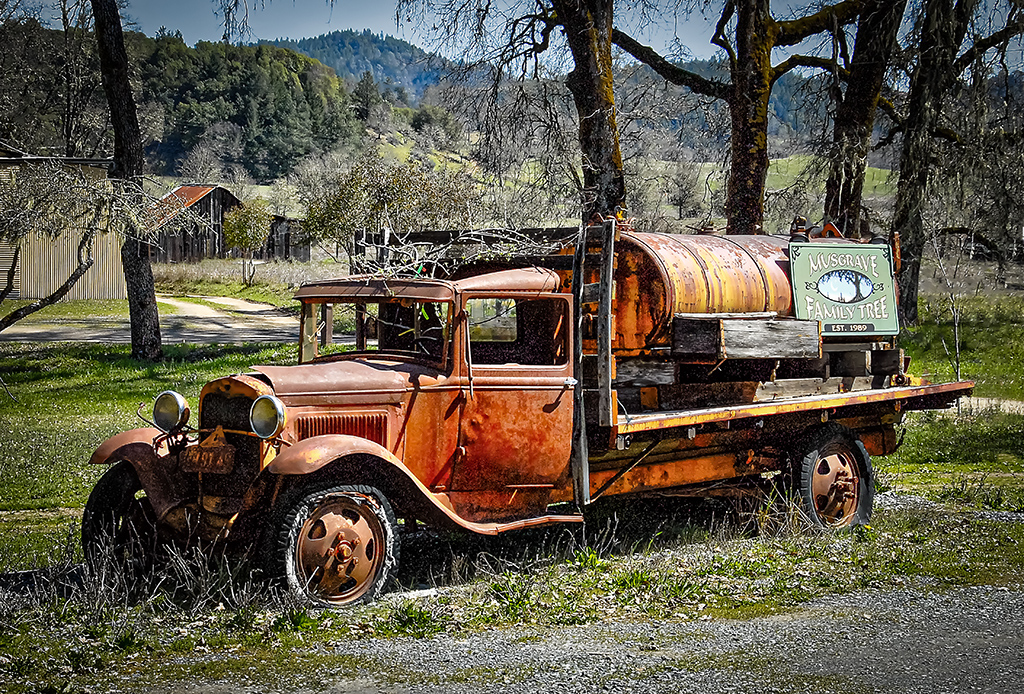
x=659 y=275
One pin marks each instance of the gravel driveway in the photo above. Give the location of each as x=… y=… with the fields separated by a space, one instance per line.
x=962 y=640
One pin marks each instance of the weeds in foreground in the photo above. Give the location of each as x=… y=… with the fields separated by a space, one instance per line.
x=980 y=491
x=68 y=630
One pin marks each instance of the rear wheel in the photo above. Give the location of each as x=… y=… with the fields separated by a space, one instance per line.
x=118 y=524
x=832 y=478
x=335 y=546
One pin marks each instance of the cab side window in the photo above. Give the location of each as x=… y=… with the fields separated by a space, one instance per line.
x=528 y=332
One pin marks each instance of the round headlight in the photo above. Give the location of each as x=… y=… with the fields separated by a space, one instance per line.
x=267 y=416
x=170 y=411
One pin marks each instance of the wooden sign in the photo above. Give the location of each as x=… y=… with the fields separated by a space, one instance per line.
x=849 y=288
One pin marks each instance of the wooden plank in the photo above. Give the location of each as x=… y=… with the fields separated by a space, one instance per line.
x=687 y=395
x=745 y=338
x=700 y=337
x=770 y=339
x=796 y=387
x=887 y=362
x=644 y=372
x=851 y=364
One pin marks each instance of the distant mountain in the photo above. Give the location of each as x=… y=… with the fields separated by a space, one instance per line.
x=394 y=63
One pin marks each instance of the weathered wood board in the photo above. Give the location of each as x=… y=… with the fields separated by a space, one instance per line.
x=751 y=336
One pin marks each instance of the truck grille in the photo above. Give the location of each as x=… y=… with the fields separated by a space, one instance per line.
x=231 y=413
x=371 y=426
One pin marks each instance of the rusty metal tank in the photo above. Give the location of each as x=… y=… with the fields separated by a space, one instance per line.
x=658 y=275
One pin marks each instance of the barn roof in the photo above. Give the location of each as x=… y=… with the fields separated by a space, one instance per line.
x=182 y=197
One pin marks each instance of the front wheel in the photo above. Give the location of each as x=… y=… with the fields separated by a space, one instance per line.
x=832 y=478
x=335 y=546
x=118 y=523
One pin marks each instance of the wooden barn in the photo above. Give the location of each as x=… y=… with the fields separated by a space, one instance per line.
x=197 y=235
x=43 y=263
x=287 y=241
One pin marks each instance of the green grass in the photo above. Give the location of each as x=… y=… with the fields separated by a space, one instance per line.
x=991 y=344
x=72 y=396
x=973 y=460
x=783 y=172
x=71 y=310
x=279 y=295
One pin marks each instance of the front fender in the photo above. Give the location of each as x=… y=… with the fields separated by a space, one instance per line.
x=354 y=460
x=108 y=450
x=309 y=455
x=152 y=466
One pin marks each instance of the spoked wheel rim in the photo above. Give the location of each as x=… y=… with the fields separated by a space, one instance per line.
x=835 y=487
x=341 y=549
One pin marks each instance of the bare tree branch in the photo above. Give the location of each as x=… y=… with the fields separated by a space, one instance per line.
x=794 y=31
x=982 y=45
x=673 y=73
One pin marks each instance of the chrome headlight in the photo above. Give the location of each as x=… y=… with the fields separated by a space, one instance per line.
x=170 y=411
x=267 y=416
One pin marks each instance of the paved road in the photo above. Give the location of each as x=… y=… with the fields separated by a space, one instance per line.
x=229 y=321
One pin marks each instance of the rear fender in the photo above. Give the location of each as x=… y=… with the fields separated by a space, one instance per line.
x=152 y=466
x=342 y=459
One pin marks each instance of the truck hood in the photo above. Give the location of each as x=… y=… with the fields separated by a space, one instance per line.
x=388 y=378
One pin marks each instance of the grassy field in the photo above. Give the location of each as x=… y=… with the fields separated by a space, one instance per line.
x=991 y=344
x=72 y=396
x=679 y=560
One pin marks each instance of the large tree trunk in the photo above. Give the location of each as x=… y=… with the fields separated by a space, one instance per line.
x=128 y=165
x=855 y=117
x=588 y=31
x=943 y=30
x=748 y=107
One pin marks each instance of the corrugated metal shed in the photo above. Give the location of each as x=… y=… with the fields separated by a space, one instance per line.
x=45 y=264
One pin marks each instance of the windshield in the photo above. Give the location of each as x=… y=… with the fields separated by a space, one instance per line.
x=407 y=327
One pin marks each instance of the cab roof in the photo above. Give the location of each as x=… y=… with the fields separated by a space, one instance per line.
x=530 y=279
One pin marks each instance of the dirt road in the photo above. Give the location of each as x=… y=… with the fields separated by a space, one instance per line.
x=204 y=319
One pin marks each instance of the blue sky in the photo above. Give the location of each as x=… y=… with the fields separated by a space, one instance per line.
x=196 y=20
x=296 y=19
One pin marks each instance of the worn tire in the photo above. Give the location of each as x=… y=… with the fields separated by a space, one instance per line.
x=118 y=525
x=334 y=546
x=832 y=478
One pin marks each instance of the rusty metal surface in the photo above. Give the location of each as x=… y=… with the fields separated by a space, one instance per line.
x=904 y=397
x=405 y=489
x=167 y=207
x=533 y=279
x=659 y=275
x=374 y=288
x=106 y=449
x=367 y=380
x=674 y=473
x=312 y=454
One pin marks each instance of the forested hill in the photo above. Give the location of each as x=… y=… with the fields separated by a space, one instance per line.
x=405 y=70
x=208 y=112
x=392 y=62
x=262 y=108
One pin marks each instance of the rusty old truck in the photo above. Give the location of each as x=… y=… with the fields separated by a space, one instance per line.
x=513 y=394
